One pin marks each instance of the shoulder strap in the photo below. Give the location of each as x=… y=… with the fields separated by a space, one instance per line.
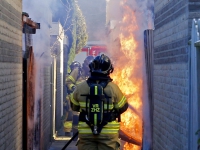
x=103 y=83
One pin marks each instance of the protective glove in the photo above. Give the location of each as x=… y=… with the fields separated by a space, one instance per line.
x=73 y=88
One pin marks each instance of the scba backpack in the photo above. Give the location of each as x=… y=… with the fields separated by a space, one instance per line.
x=97 y=113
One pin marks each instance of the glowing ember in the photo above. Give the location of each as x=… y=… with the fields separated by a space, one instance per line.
x=128 y=146
x=128 y=76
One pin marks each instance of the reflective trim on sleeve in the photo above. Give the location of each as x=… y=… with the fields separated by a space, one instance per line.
x=121 y=103
x=78 y=82
x=72 y=79
x=73 y=100
x=83 y=104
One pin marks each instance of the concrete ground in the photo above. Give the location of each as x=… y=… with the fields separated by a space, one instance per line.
x=61 y=140
x=59 y=144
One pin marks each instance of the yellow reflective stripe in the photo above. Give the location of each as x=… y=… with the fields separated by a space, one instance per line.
x=68 y=124
x=121 y=102
x=109 y=106
x=95 y=90
x=73 y=100
x=78 y=82
x=72 y=79
x=83 y=105
x=103 y=131
x=110 y=125
x=95 y=119
x=113 y=124
x=82 y=124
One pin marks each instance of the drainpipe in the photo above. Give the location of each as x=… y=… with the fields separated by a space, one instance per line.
x=193 y=97
x=54 y=97
x=61 y=73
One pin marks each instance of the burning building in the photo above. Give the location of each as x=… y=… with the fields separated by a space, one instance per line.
x=125 y=42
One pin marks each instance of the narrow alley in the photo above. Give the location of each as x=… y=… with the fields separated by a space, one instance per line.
x=120 y=71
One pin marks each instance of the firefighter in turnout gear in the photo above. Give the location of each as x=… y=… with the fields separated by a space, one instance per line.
x=100 y=103
x=67 y=117
x=77 y=75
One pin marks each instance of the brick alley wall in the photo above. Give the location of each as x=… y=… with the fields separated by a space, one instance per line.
x=171 y=73
x=10 y=75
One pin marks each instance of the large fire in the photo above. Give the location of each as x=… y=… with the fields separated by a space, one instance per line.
x=128 y=75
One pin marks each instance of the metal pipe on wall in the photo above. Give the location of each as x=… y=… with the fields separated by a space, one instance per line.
x=148 y=48
x=54 y=97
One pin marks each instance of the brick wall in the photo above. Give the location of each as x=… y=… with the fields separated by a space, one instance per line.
x=171 y=33
x=10 y=75
x=171 y=107
x=171 y=79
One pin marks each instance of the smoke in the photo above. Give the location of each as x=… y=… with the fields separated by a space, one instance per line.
x=144 y=12
x=94 y=12
x=140 y=15
x=40 y=12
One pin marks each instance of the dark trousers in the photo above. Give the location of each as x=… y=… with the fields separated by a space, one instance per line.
x=75 y=125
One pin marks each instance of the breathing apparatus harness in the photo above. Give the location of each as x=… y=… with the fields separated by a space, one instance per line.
x=95 y=115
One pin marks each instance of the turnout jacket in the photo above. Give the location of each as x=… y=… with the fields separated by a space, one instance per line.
x=117 y=101
x=74 y=78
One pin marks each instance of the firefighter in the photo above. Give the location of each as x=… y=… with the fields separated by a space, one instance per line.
x=105 y=136
x=68 y=115
x=78 y=74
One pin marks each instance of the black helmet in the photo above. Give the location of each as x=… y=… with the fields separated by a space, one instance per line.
x=101 y=64
x=75 y=64
x=86 y=62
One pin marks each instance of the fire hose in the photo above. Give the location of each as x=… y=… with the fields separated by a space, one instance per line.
x=122 y=135
x=70 y=141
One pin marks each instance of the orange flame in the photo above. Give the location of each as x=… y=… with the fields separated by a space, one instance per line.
x=128 y=77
